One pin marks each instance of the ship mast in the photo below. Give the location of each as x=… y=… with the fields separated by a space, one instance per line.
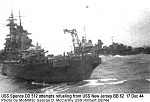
x=85 y=32
x=112 y=38
x=11 y=25
x=20 y=18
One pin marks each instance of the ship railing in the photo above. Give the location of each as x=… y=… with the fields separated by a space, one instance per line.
x=82 y=56
x=72 y=57
x=11 y=61
x=33 y=61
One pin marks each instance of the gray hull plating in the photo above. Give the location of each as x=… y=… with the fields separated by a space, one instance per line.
x=76 y=70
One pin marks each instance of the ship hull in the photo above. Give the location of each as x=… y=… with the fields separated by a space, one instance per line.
x=74 y=70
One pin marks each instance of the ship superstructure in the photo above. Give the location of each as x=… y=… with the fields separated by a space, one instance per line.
x=23 y=60
x=80 y=47
x=18 y=38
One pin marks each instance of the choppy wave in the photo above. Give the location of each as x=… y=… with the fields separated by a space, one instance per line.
x=115 y=74
x=148 y=79
x=103 y=82
x=91 y=83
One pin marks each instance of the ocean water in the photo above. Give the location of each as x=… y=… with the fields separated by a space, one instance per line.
x=116 y=74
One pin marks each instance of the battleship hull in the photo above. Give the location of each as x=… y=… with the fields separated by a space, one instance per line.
x=60 y=71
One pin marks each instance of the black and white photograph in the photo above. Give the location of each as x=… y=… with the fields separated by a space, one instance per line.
x=75 y=46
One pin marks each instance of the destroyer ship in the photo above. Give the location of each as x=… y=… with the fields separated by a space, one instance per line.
x=20 y=59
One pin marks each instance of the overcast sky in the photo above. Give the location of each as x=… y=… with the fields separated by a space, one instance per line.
x=127 y=20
